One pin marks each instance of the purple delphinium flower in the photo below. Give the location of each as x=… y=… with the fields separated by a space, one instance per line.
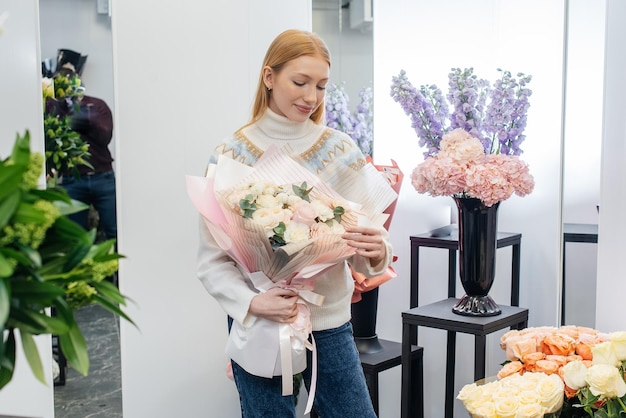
x=495 y=115
x=467 y=94
x=358 y=125
x=420 y=110
x=362 y=122
x=336 y=108
x=506 y=113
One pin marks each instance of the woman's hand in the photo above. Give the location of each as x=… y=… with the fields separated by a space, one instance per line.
x=368 y=242
x=277 y=304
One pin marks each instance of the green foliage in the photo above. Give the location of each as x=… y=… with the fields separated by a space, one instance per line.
x=65 y=149
x=46 y=262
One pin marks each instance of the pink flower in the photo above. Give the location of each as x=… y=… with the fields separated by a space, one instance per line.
x=462 y=168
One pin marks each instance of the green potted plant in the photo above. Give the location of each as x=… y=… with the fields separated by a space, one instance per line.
x=48 y=263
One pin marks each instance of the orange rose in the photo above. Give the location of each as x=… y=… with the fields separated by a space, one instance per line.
x=530 y=359
x=560 y=360
x=510 y=368
x=584 y=350
x=517 y=347
x=546 y=366
x=569 y=392
x=562 y=345
x=573 y=357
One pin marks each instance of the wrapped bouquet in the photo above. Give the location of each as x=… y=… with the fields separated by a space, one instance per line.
x=283 y=226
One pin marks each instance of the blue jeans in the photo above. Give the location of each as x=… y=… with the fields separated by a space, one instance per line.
x=341 y=389
x=97 y=190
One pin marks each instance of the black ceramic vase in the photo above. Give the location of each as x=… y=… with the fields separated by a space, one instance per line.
x=364 y=322
x=478 y=227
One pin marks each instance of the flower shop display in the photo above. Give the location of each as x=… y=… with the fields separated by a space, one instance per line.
x=590 y=363
x=472 y=143
x=285 y=227
x=47 y=262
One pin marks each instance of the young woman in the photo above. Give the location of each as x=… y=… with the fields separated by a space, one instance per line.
x=289 y=110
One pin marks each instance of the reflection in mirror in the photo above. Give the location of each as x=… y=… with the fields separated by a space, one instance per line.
x=346 y=27
x=85 y=27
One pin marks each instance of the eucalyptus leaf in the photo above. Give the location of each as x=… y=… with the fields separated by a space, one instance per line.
x=32 y=355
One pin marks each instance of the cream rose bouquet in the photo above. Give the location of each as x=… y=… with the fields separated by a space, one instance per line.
x=531 y=395
x=283 y=226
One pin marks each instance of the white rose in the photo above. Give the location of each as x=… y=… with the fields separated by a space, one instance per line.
x=296 y=232
x=267 y=218
x=618 y=339
x=603 y=353
x=485 y=410
x=468 y=392
x=324 y=212
x=574 y=374
x=550 y=391
x=336 y=228
x=606 y=380
x=506 y=407
x=530 y=411
x=528 y=397
x=268 y=201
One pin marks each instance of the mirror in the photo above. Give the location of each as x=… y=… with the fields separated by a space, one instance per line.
x=581 y=160
x=85 y=27
x=347 y=29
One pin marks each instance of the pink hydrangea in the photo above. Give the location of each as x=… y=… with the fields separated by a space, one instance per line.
x=462 y=168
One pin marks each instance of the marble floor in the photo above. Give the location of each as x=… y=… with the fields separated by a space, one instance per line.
x=99 y=394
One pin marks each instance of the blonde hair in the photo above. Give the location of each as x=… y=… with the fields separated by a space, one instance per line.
x=287 y=46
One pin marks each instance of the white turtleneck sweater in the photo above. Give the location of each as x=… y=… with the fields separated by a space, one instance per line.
x=318 y=148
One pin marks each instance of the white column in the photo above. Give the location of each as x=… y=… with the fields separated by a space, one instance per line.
x=21 y=109
x=612 y=229
x=185 y=75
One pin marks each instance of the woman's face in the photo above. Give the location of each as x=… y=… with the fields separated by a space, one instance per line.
x=299 y=88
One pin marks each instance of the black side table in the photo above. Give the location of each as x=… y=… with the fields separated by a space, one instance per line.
x=439 y=315
x=451 y=243
x=575 y=233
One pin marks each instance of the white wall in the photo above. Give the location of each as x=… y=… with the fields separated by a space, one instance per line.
x=426 y=39
x=612 y=229
x=21 y=109
x=169 y=117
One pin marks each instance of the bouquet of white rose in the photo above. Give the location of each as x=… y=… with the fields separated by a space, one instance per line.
x=283 y=225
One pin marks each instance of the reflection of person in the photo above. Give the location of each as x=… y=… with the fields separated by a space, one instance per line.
x=93 y=120
x=288 y=110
